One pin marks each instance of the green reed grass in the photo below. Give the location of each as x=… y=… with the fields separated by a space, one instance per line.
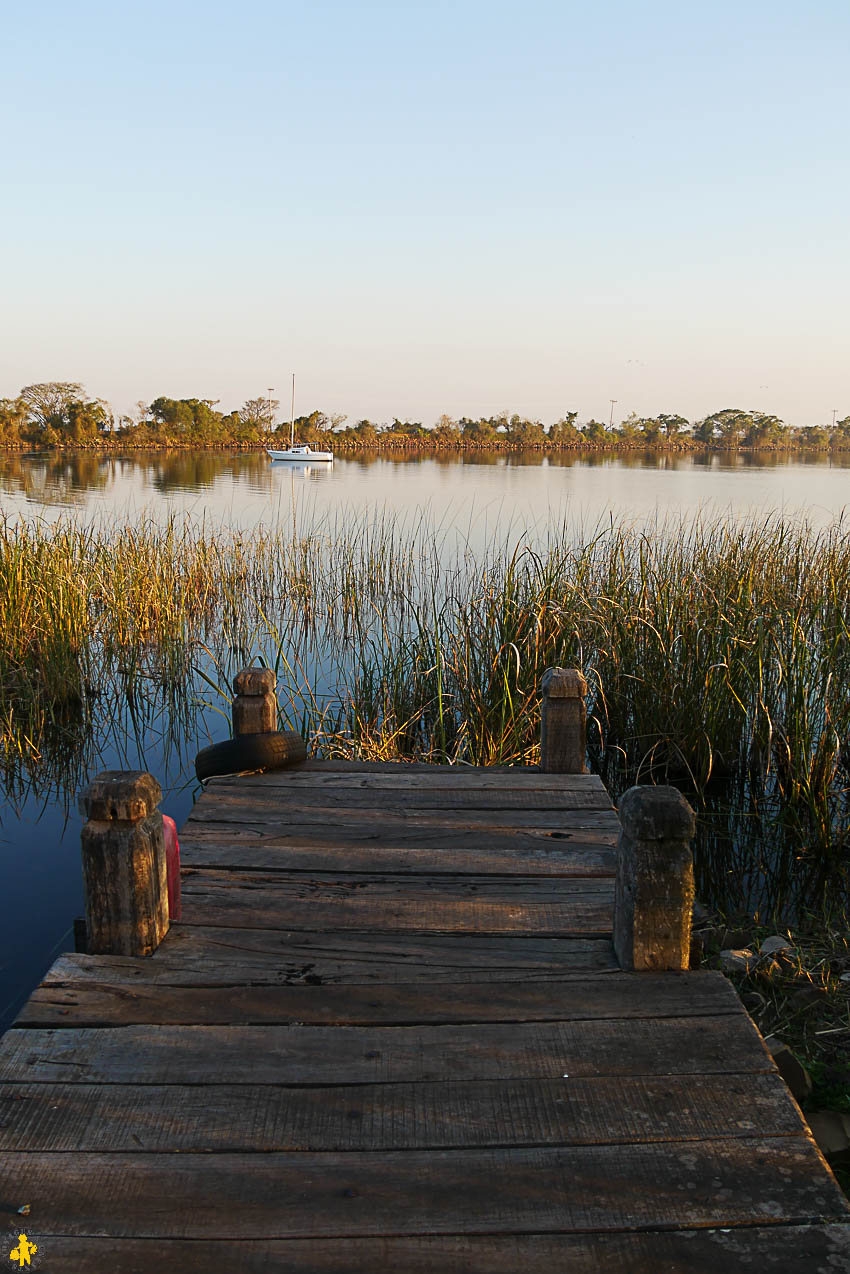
x=715 y=651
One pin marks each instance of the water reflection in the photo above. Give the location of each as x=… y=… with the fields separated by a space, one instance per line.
x=122 y=483
x=303 y=472
x=54 y=479
x=195 y=471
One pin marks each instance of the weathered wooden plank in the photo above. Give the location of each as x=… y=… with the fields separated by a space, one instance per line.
x=263 y=1118
x=383 y=1054
x=437 y=778
x=222 y=807
x=782 y=1249
x=425 y=797
x=208 y=956
x=437 y=886
x=425 y=832
x=374 y=903
x=508 y=854
x=625 y=995
x=587 y=917
x=580 y=1189
x=304 y=886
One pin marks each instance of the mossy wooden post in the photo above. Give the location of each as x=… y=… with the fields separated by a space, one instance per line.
x=124 y=867
x=255 y=704
x=654 y=891
x=563 y=721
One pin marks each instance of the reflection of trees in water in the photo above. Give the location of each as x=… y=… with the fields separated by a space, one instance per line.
x=55 y=478
x=768 y=459
x=65 y=478
x=193 y=470
x=838 y=460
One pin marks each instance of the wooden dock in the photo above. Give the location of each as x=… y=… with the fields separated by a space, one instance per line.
x=390 y=1034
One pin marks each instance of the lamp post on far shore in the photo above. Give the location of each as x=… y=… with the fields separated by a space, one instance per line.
x=271 y=409
x=612 y=401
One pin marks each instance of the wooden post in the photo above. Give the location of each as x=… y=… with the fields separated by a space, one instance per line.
x=562 y=721
x=124 y=865
x=654 y=892
x=255 y=704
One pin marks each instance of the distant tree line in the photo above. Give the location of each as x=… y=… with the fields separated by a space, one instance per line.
x=61 y=414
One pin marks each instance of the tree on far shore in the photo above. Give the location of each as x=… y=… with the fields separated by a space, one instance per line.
x=259 y=413
x=13 y=420
x=564 y=432
x=595 y=432
x=61 y=411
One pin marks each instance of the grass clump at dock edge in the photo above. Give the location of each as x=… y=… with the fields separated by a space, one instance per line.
x=796 y=987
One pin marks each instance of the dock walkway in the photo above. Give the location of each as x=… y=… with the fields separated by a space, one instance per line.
x=390 y=1034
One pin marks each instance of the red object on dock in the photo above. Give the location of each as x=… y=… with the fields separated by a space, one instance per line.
x=172 y=866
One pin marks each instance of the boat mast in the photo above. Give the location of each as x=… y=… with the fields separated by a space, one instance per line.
x=292 y=416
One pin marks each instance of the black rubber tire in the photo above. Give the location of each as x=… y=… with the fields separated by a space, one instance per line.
x=272 y=751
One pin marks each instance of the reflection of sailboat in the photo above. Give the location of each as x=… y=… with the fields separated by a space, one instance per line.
x=301 y=454
x=306 y=471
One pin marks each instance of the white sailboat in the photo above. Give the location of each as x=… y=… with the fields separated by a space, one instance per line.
x=300 y=453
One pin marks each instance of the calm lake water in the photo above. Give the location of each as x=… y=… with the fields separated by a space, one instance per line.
x=471 y=503
x=478 y=495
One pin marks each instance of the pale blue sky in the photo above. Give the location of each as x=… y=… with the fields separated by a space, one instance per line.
x=421 y=208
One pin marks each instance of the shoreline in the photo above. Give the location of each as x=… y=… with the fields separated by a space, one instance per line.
x=416 y=448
